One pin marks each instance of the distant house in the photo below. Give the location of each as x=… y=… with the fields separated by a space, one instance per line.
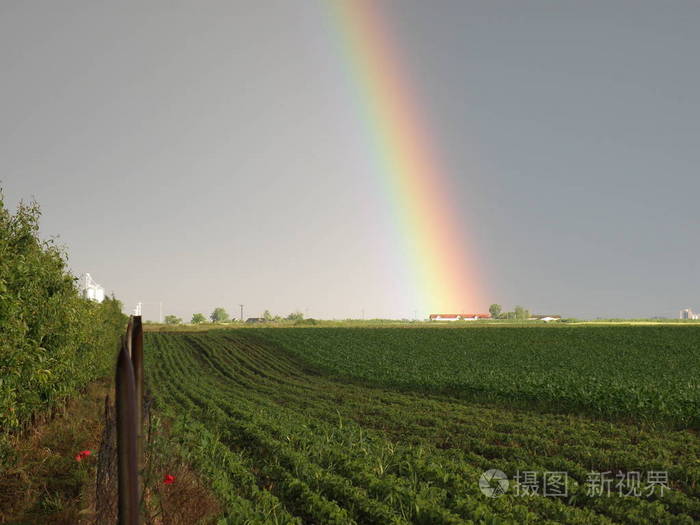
x=255 y=320
x=444 y=317
x=689 y=314
x=545 y=318
x=459 y=317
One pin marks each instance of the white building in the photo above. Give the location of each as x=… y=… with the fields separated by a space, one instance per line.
x=459 y=317
x=92 y=290
x=689 y=314
x=545 y=318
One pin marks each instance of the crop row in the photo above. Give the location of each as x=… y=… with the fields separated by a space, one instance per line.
x=284 y=444
x=645 y=373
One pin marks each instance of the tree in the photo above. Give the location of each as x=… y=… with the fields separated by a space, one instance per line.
x=267 y=315
x=171 y=319
x=295 y=316
x=521 y=313
x=495 y=310
x=198 y=318
x=219 y=315
x=53 y=340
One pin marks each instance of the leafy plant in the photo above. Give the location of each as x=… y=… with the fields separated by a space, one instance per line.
x=282 y=442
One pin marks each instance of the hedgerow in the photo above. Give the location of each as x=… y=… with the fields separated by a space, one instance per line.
x=53 y=341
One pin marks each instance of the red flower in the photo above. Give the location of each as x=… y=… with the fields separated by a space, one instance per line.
x=169 y=479
x=82 y=455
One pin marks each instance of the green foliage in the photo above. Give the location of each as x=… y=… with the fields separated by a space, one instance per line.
x=267 y=315
x=495 y=310
x=219 y=315
x=521 y=314
x=198 y=319
x=295 y=316
x=306 y=322
x=53 y=341
x=171 y=319
x=645 y=372
x=282 y=443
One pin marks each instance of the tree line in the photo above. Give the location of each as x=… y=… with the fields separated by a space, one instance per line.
x=519 y=313
x=220 y=315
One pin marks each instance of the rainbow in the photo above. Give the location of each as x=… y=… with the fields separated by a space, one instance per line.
x=432 y=234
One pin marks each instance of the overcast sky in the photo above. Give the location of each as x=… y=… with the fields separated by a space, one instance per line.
x=208 y=154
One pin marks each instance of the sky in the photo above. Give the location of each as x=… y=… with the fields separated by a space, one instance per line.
x=205 y=154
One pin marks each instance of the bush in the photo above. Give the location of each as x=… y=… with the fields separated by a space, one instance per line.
x=198 y=319
x=53 y=340
x=303 y=322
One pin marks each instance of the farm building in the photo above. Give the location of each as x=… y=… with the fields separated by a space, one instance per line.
x=90 y=289
x=689 y=314
x=459 y=317
x=545 y=318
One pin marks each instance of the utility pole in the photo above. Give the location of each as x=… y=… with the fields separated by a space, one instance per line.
x=241 y=312
x=160 y=316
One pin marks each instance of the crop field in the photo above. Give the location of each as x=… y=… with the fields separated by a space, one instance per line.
x=290 y=428
x=648 y=373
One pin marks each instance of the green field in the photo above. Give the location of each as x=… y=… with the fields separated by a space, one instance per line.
x=365 y=425
x=649 y=373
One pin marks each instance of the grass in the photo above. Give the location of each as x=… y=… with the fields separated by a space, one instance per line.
x=395 y=323
x=45 y=484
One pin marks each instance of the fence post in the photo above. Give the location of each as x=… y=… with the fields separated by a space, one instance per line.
x=126 y=436
x=137 y=363
x=129 y=334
